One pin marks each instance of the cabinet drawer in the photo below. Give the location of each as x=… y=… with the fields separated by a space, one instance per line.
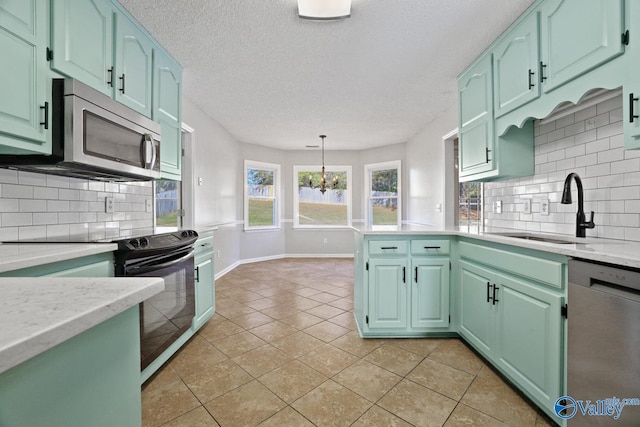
x=388 y=247
x=541 y=269
x=429 y=247
x=204 y=245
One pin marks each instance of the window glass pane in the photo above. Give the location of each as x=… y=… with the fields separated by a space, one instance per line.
x=383 y=205
x=470 y=204
x=317 y=209
x=167 y=203
x=261 y=197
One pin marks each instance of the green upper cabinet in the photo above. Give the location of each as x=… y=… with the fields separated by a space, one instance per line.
x=475 y=101
x=577 y=36
x=24 y=100
x=82 y=42
x=167 y=106
x=515 y=66
x=631 y=86
x=133 y=73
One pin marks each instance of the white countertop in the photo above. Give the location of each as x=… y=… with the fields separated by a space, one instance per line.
x=618 y=252
x=14 y=256
x=39 y=313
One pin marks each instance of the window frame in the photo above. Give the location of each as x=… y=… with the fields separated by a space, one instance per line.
x=368 y=169
x=296 y=197
x=275 y=168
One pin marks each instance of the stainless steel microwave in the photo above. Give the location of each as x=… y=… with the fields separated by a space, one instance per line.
x=94 y=137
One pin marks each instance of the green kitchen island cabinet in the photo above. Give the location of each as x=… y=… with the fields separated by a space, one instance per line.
x=402 y=288
x=70 y=351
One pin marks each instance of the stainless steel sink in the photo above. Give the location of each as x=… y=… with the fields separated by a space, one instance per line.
x=536 y=238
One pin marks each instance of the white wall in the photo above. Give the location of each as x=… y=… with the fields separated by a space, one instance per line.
x=217 y=160
x=425 y=170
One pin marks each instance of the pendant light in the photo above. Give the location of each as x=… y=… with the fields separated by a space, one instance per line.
x=323 y=179
x=324 y=9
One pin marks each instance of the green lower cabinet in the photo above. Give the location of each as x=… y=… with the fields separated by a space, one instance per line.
x=99 y=265
x=404 y=287
x=205 y=295
x=430 y=293
x=388 y=294
x=204 y=280
x=517 y=325
x=529 y=338
x=476 y=309
x=91 y=379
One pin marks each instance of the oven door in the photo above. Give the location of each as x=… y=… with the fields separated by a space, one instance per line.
x=167 y=315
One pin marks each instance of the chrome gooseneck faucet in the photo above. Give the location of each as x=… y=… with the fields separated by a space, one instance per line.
x=581 y=224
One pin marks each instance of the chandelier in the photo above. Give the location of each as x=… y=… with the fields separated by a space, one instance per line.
x=323 y=180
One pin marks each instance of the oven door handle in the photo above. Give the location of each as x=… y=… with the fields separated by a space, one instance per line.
x=135 y=271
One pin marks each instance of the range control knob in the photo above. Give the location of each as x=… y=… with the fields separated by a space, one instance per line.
x=185 y=233
x=134 y=242
x=144 y=242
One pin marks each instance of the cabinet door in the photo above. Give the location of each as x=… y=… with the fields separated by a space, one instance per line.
x=388 y=294
x=205 y=291
x=430 y=293
x=167 y=104
x=23 y=80
x=528 y=337
x=133 y=66
x=476 y=308
x=475 y=100
x=82 y=41
x=577 y=36
x=515 y=67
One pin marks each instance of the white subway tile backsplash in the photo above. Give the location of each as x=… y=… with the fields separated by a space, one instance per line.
x=17 y=191
x=44 y=218
x=34 y=206
x=11 y=219
x=589 y=142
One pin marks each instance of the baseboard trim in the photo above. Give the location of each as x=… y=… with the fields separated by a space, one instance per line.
x=230 y=268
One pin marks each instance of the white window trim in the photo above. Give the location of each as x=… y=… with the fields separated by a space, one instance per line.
x=394 y=164
x=296 y=199
x=277 y=197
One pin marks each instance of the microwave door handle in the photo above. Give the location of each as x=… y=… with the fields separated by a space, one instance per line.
x=136 y=271
x=148 y=151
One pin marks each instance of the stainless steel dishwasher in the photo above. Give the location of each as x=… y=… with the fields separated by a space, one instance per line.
x=603 y=360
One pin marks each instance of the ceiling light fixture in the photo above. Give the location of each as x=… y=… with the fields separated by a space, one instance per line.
x=323 y=180
x=324 y=9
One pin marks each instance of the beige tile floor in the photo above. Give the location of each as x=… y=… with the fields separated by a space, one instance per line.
x=283 y=350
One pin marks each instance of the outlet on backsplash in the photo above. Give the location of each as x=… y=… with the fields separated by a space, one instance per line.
x=544 y=207
x=526 y=206
x=498 y=206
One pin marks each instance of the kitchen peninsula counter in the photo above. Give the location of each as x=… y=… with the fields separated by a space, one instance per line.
x=619 y=252
x=38 y=313
x=70 y=349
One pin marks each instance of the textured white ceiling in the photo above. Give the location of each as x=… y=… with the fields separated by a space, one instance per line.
x=374 y=79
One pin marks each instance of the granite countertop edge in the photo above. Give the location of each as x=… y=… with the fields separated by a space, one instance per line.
x=38 y=313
